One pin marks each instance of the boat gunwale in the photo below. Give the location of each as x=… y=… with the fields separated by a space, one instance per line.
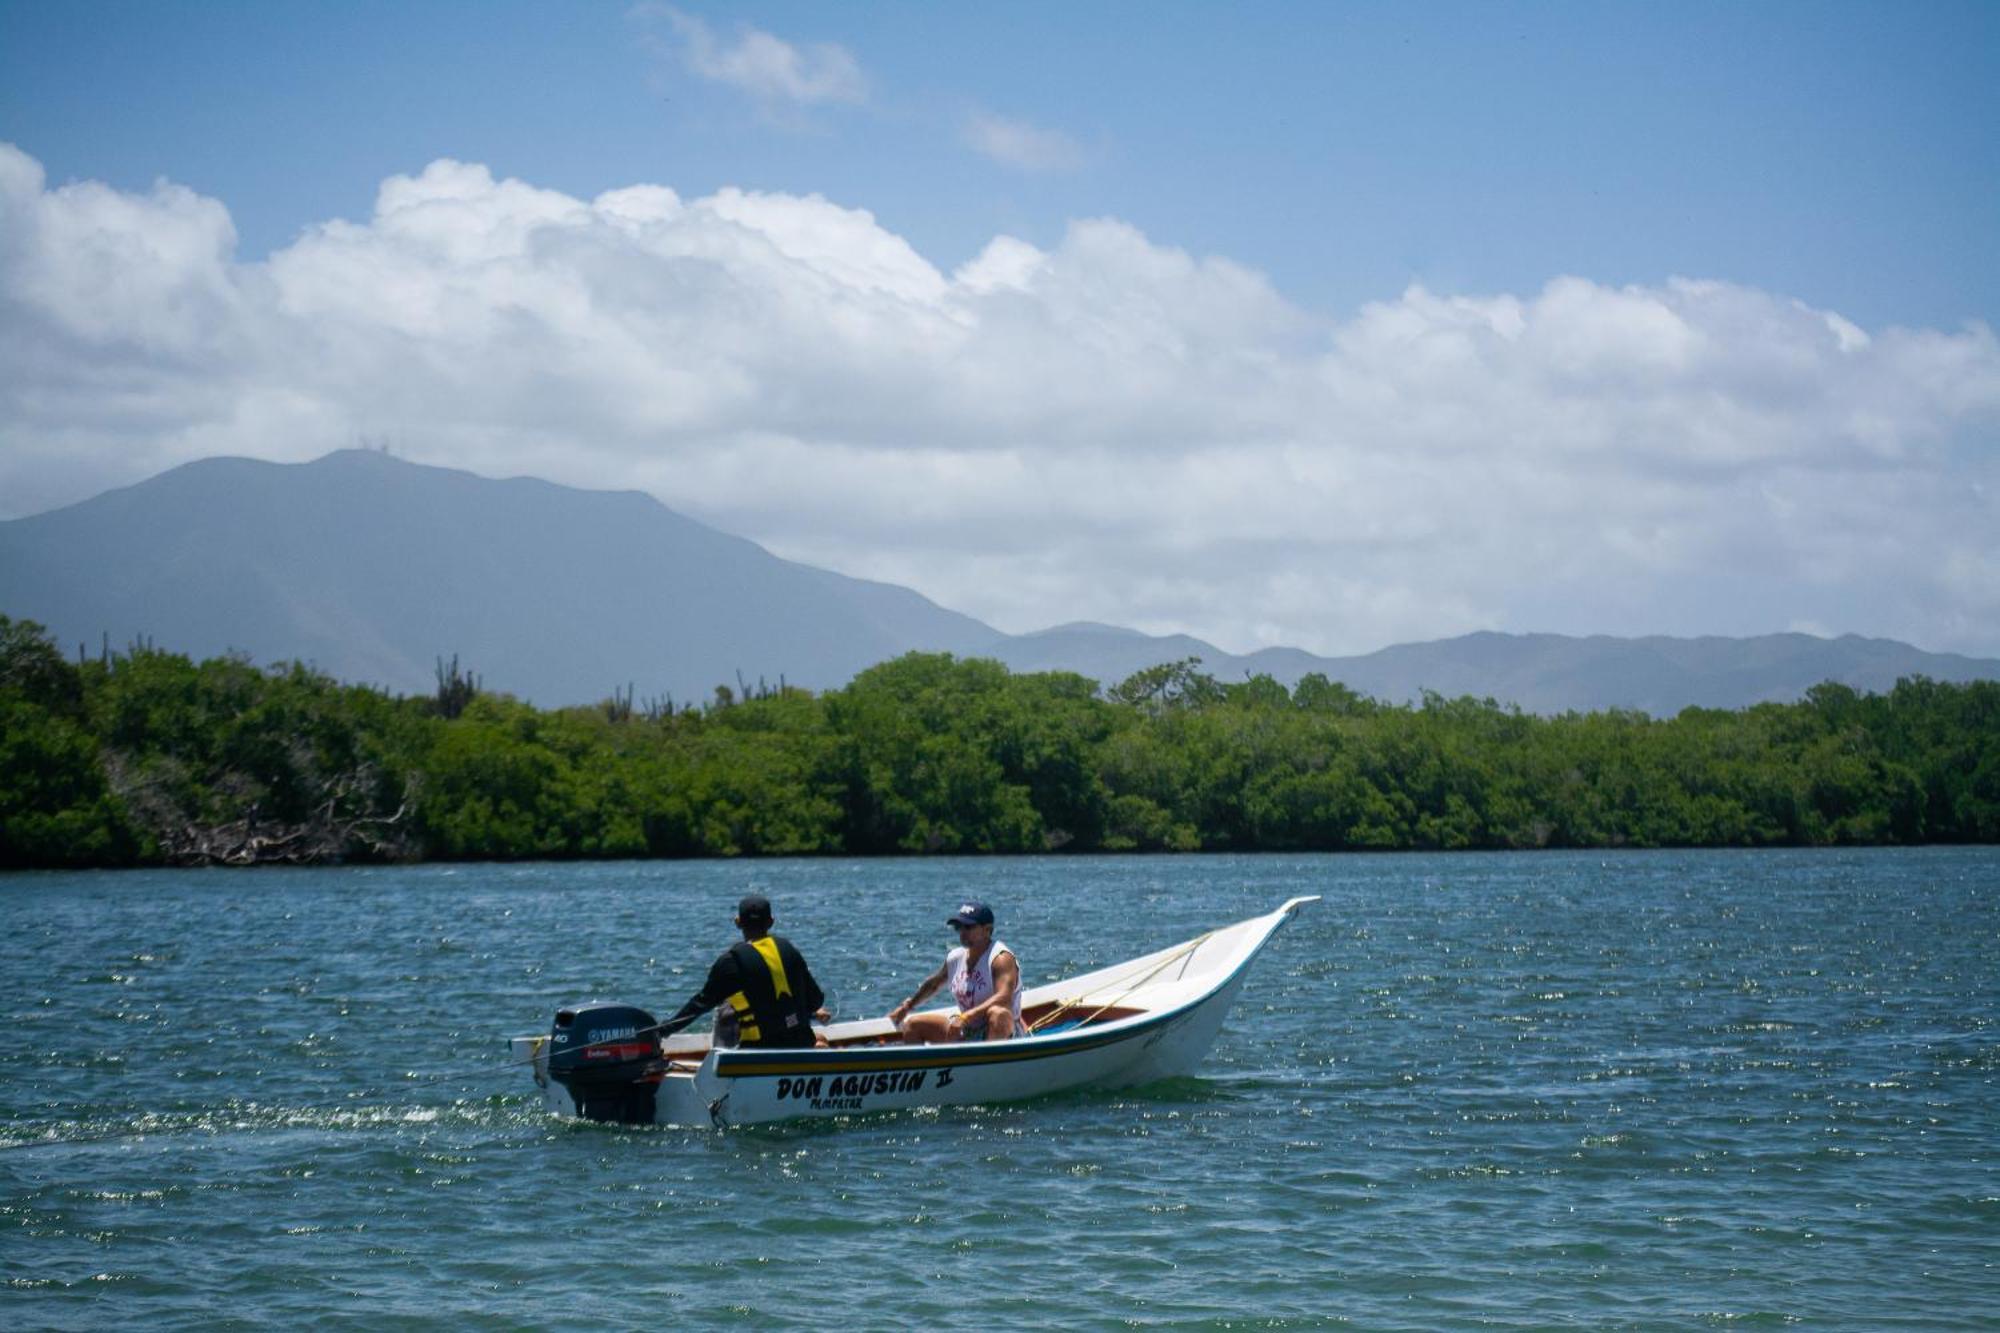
x=884 y=1059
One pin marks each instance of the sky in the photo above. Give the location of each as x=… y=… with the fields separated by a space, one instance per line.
x=1324 y=325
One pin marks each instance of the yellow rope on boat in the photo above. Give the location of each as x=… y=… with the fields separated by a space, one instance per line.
x=1077 y=1002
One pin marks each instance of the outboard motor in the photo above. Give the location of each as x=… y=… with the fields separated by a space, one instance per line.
x=608 y=1057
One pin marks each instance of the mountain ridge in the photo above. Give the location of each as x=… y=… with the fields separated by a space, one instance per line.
x=551 y=592
x=1540 y=672
x=373 y=568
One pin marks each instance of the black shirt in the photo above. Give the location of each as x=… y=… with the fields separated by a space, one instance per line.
x=743 y=979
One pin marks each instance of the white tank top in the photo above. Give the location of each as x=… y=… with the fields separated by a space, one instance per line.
x=971 y=984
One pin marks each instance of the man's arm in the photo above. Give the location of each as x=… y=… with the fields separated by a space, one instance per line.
x=811 y=997
x=924 y=988
x=722 y=983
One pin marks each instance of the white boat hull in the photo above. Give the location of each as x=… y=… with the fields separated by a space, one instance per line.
x=1148 y=1019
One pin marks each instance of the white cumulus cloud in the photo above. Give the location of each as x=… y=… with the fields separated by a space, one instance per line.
x=1109 y=428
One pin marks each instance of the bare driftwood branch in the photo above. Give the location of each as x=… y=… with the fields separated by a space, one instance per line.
x=340 y=826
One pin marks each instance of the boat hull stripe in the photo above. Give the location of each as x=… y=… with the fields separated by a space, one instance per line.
x=873 y=1061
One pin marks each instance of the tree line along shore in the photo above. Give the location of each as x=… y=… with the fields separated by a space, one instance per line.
x=149 y=758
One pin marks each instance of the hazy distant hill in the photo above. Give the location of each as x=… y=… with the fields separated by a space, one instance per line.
x=373 y=568
x=1543 y=673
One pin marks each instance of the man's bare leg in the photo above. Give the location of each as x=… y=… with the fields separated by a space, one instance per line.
x=927 y=1029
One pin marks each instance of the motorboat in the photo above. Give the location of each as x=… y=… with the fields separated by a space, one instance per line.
x=1133 y=1023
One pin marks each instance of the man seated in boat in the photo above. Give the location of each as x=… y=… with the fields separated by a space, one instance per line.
x=771 y=996
x=985 y=981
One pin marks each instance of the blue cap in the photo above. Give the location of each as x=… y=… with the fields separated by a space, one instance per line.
x=972 y=914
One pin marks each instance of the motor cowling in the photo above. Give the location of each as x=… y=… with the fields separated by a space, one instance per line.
x=608 y=1057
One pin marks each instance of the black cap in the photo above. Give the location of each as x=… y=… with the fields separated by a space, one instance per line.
x=972 y=914
x=755 y=907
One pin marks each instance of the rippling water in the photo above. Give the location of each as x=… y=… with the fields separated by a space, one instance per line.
x=1652 y=1089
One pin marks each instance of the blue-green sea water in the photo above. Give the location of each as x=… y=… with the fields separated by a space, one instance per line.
x=1645 y=1090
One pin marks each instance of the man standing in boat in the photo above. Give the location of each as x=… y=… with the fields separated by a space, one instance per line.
x=772 y=997
x=985 y=981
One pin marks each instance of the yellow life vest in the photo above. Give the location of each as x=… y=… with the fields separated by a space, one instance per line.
x=747 y=1027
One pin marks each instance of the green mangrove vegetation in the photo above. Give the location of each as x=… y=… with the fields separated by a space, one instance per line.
x=146 y=757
